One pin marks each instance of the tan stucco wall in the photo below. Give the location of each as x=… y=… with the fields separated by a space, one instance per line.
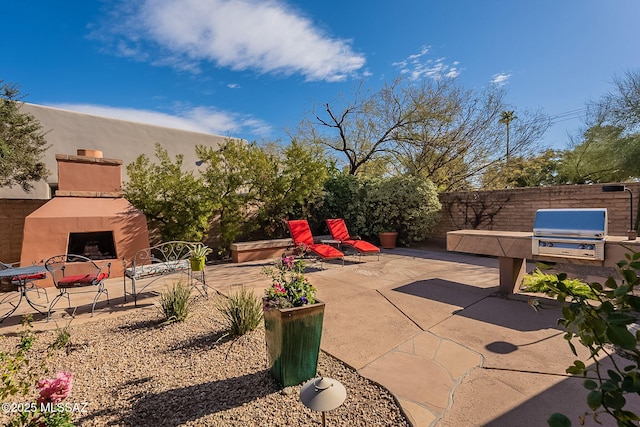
x=68 y=131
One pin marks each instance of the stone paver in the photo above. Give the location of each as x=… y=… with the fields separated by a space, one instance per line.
x=427 y=326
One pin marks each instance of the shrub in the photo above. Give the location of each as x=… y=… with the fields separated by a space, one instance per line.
x=405 y=204
x=175 y=302
x=539 y=281
x=242 y=310
x=20 y=373
x=603 y=325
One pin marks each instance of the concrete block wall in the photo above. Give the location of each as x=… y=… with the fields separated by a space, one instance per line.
x=12 y=215
x=514 y=209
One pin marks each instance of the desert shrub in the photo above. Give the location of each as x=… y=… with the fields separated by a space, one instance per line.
x=174 y=303
x=405 y=204
x=242 y=311
x=540 y=282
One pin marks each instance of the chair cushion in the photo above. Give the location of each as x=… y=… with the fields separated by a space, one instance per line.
x=325 y=251
x=362 y=246
x=338 y=229
x=300 y=232
x=81 y=280
x=30 y=277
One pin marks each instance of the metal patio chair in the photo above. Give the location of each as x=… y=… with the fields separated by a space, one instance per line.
x=75 y=274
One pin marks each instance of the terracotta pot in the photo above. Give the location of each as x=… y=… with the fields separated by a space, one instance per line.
x=388 y=239
x=293 y=342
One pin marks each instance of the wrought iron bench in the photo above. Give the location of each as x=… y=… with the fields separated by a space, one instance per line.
x=160 y=261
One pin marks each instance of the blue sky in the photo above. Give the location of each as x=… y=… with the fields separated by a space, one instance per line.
x=252 y=69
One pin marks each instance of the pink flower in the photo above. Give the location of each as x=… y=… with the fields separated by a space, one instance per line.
x=288 y=262
x=54 y=390
x=279 y=288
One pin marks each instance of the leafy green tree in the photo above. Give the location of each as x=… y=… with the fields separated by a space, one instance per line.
x=234 y=175
x=257 y=188
x=520 y=171
x=175 y=202
x=295 y=187
x=22 y=142
x=609 y=149
x=606 y=154
x=369 y=205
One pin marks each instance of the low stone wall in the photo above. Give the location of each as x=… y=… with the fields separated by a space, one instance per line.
x=259 y=249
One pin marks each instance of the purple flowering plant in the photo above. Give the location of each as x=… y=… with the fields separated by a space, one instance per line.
x=289 y=287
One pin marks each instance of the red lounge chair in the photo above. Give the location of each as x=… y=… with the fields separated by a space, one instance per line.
x=302 y=238
x=339 y=231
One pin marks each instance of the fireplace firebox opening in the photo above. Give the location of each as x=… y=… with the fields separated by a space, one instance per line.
x=94 y=245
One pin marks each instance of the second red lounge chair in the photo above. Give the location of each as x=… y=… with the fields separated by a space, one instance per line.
x=339 y=231
x=302 y=238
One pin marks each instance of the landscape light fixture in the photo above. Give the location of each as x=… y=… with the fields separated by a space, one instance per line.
x=199 y=162
x=322 y=394
x=619 y=187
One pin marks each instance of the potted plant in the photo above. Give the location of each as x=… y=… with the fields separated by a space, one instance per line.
x=293 y=322
x=198 y=256
x=388 y=239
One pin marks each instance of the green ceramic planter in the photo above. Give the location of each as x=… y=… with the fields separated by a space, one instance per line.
x=197 y=264
x=293 y=342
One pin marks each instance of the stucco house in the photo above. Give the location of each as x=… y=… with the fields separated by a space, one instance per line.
x=69 y=133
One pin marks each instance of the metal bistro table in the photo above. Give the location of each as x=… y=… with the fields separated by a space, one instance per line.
x=21 y=276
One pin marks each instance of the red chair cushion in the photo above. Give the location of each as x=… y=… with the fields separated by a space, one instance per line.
x=30 y=277
x=338 y=229
x=361 y=246
x=81 y=280
x=325 y=251
x=300 y=232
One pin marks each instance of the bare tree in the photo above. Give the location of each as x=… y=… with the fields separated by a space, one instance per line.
x=366 y=128
x=434 y=129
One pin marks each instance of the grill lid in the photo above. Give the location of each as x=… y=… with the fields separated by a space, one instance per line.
x=573 y=223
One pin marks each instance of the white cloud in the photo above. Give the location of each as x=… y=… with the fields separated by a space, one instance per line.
x=418 y=66
x=198 y=119
x=500 y=79
x=265 y=36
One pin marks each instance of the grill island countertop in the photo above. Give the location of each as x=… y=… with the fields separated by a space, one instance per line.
x=514 y=247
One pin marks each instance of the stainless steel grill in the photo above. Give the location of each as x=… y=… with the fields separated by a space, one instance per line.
x=570 y=233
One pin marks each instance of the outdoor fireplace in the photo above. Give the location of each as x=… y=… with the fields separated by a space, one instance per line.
x=94 y=245
x=87 y=216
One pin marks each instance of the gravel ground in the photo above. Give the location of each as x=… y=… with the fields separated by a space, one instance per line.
x=132 y=372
